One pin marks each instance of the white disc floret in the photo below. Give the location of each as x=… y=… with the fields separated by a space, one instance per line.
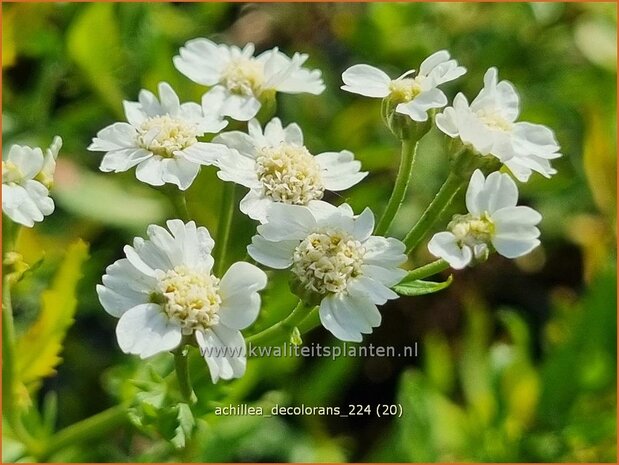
x=244 y=76
x=190 y=298
x=289 y=174
x=326 y=260
x=163 y=135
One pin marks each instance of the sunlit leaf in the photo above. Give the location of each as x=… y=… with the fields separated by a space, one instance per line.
x=93 y=42
x=419 y=287
x=38 y=349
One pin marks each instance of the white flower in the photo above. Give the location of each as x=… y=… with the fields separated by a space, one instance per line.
x=26 y=176
x=414 y=95
x=278 y=168
x=244 y=78
x=493 y=220
x=161 y=138
x=489 y=125
x=165 y=290
x=333 y=256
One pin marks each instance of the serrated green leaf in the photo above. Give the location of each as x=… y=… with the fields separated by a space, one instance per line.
x=420 y=287
x=186 y=423
x=37 y=351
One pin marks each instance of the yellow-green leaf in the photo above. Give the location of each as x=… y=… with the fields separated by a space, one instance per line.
x=37 y=351
x=94 y=44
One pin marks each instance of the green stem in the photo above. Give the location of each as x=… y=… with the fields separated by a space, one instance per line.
x=280 y=332
x=182 y=374
x=8 y=356
x=427 y=270
x=226 y=214
x=310 y=322
x=92 y=427
x=179 y=202
x=407 y=161
x=448 y=190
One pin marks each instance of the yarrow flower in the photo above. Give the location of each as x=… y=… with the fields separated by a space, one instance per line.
x=278 y=168
x=494 y=222
x=334 y=258
x=161 y=138
x=27 y=175
x=243 y=78
x=489 y=126
x=165 y=289
x=414 y=93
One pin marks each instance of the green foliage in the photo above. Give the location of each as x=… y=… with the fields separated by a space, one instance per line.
x=527 y=372
x=38 y=349
x=418 y=287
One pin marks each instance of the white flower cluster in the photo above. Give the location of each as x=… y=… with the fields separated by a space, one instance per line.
x=164 y=289
x=27 y=175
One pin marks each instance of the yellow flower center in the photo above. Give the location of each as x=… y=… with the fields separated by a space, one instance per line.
x=11 y=172
x=405 y=90
x=472 y=230
x=494 y=120
x=244 y=76
x=164 y=135
x=326 y=260
x=289 y=174
x=190 y=298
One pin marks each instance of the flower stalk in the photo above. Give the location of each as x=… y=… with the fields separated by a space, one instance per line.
x=226 y=214
x=182 y=374
x=280 y=332
x=407 y=161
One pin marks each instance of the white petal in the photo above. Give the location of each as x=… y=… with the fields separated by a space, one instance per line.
x=119 y=160
x=40 y=196
x=340 y=170
x=241 y=107
x=274 y=132
x=28 y=160
x=347 y=318
x=418 y=108
x=276 y=255
x=145 y=330
x=202 y=61
x=384 y=251
x=535 y=139
x=150 y=171
x=364 y=225
x=169 y=100
x=117 y=303
x=239 y=169
x=287 y=222
x=293 y=134
x=239 y=141
x=113 y=137
x=17 y=205
x=366 y=80
x=204 y=153
x=498 y=191
x=444 y=245
x=224 y=352
x=239 y=292
x=255 y=205
x=365 y=288
x=179 y=171
x=432 y=61
x=387 y=276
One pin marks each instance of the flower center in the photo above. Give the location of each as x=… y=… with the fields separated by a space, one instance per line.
x=472 y=230
x=11 y=172
x=326 y=260
x=289 y=174
x=244 y=76
x=405 y=90
x=494 y=120
x=190 y=298
x=163 y=135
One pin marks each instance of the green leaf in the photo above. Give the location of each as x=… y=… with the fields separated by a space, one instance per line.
x=37 y=350
x=419 y=287
x=93 y=43
x=186 y=423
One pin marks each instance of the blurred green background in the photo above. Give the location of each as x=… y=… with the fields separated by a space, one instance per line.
x=517 y=359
